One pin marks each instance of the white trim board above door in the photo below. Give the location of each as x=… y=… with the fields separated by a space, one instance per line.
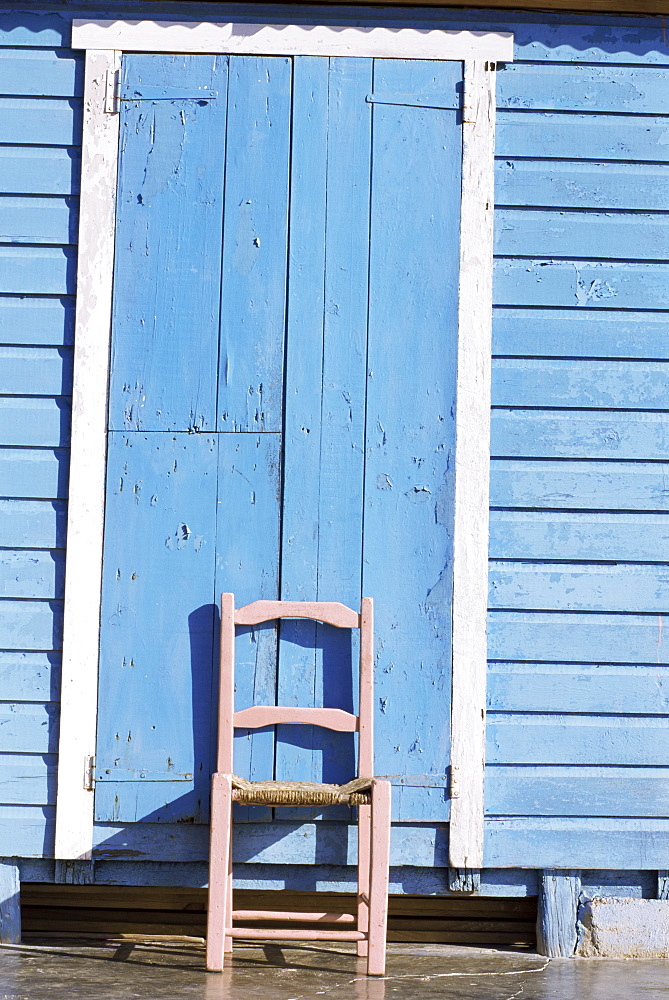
x=104 y=42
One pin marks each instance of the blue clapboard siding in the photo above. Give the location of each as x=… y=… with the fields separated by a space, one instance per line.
x=40 y=121
x=578 y=684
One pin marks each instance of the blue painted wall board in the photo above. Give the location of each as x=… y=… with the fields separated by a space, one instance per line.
x=579 y=587
x=408 y=480
x=167 y=270
x=28 y=779
x=572 y=234
x=325 y=396
x=39 y=524
x=33 y=122
x=580 y=332
x=582 y=184
x=581 y=484
x=578 y=687
x=28 y=728
x=630 y=90
x=35 y=371
x=255 y=233
x=157 y=620
x=573 y=136
x=531 y=636
x=29 y=676
x=31 y=625
x=571 y=536
x=619 y=435
x=39 y=170
x=31 y=573
x=580 y=383
x=27 y=831
x=34 y=422
x=576 y=791
x=38 y=220
x=559 y=843
x=37 y=270
x=41 y=72
x=581 y=283
x=34 y=472
x=32 y=320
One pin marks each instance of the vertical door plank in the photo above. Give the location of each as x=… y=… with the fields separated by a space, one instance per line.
x=167 y=271
x=410 y=425
x=253 y=296
x=333 y=381
x=247 y=565
x=157 y=627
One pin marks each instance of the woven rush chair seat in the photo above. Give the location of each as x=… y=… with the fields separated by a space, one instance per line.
x=301 y=793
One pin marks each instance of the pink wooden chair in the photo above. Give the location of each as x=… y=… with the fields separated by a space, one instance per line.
x=372 y=797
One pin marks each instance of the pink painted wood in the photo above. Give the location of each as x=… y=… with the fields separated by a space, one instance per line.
x=293 y=934
x=330 y=612
x=270 y=715
x=373 y=820
x=326 y=918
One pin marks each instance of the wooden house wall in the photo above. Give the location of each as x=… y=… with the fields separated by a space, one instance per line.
x=580 y=514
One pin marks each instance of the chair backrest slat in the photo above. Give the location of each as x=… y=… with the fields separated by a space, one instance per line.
x=330 y=612
x=270 y=715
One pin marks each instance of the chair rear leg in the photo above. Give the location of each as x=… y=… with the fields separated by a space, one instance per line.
x=228 y=937
x=378 y=890
x=364 y=863
x=218 y=916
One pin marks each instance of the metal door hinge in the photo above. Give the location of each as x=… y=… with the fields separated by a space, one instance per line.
x=455 y=786
x=112 y=91
x=89 y=775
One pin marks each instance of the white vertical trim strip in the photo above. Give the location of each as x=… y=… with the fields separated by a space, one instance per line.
x=78 y=711
x=472 y=469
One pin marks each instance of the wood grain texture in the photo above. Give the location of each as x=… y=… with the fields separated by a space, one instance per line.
x=32 y=573
x=574 y=536
x=35 y=122
x=640 y=90
x=35 y=371
x=38 y=220
x=29 y=676
x=573 y=233
x=581 y=283
x=34 y=170
x=34 y=472
x=574 y=136
x=558 y=913
x=35 y=422
x=329 y=612
x=530 y=433
x=28 y=779
x=10 y=905
x=28 y=728
x=37 y=270
x=34 y=320
x=584 y=383
x=38 y=524
x=31 y=625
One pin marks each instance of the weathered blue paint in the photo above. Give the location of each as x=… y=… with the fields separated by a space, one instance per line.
x=558 y=913
x=10 y=903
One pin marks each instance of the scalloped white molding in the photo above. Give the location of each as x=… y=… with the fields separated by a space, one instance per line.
x=291 y=40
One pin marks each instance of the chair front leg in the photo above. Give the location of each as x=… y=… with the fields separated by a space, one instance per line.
x=378 y=890
x=364 y=868
x=218 y=916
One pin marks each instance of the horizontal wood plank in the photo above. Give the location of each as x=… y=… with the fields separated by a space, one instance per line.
x=38 y=220
x=618 y=435
x=571 y=233
x=32 y=573
x=30 y=676
x=28 y=625
x=580 y=485
x=37 y=270
x=581 y=283
x=585 y=687
x=594 y=638
x=39 y=170
x=573 y=137
x=633 y=90
x=579 y=587
x=41 y=72
x=577 y=739
x=40 y=321
x=34 y=421
x=553 y=535
x=27 y=831
x=34 y=472
x=628 y=385
x=576 y=791
x=35 y=371
x=33 y=524
x=582 y=184
x=33 y=121
x=28 y=779
x=576 y=842
x=28 y=728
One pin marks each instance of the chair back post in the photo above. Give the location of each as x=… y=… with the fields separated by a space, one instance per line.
x=226 y=698
x=366 y=701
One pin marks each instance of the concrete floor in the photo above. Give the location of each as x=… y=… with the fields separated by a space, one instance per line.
x=128 y=971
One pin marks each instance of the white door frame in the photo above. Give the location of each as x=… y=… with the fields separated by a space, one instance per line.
x=104 y=42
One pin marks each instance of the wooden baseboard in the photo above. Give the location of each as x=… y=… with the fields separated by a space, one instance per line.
x=136 y=912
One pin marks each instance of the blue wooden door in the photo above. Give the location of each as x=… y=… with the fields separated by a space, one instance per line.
x=281 y=416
